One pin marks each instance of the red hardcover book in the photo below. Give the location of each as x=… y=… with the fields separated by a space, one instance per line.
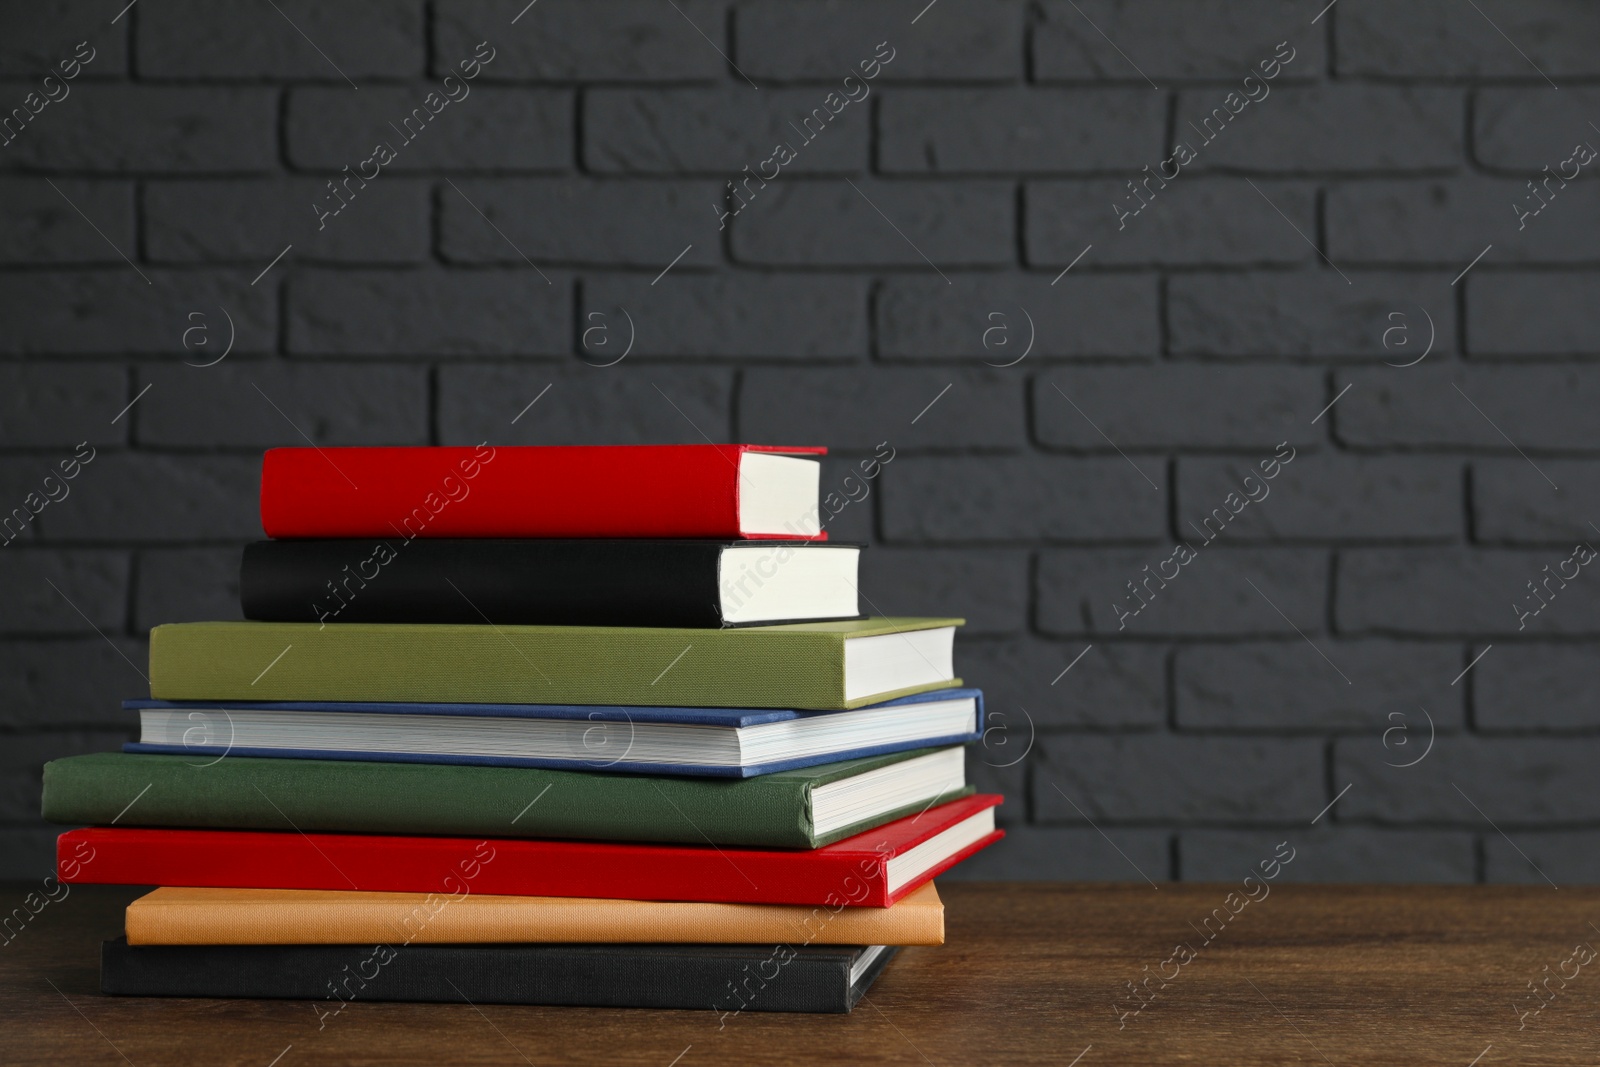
x=723 y=491
x=875 y=868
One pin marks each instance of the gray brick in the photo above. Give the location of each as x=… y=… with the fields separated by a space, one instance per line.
x=1511 y=503
x=1447 y=407
x=25 y=755
x=563 y=40
x=250 y=221
x=63 y=592
x=30 y=751
x=1081 y=592
x=1021 y=498
x=831 y=224
x=739 y=316
x=72 y=684
x=1019 y=131
x=43 y=225
x=1569 y=857
x=1326 y=497
x=1532 y=315
x=364 y=38
x=1181 y=40
x=40 y=36
x=1331 y=855
x=989 y=589
x=585 y=405
x=262 y=405
x=1194 y=221
x=58 y=406
x=858 y=408
x=1029 y=682
x=988 y=771
x=577 y=220
x=489 y=128
x=1450 y=222
x=1512 y=781
x=844 y=518
x=429 y=312
x=721 y=132
x=144 y=498
x=19 y=477
x=114 y=312
x=1524 y=688
x=1064 y=854
x=1099 y=315
x=1522 y=131
x=1310 y=314
x=1154 y=407
x=1149 y=777
x=1440 y=591
x=1286 y=686
x=1341 y=129
x=123 y=128
x=188 y=585
x=1381 y=36
x=28 y=853
x=827 y=40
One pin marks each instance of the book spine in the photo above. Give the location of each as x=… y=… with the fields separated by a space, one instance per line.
x=255 y=860
x=290 y=917
x=332 y=976
x=530 y=582
x=432 y=799
x=591 y=492
x=478 y=664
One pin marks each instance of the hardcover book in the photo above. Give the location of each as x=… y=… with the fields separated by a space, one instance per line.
x=457 y=915
x=723 y=491
x=556 y=583
x=813 y=665
x=731 y=742
x=872 y=869
x=803 y=808
x=723 y=978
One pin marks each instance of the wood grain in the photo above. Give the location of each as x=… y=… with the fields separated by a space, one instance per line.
x=1030 y=974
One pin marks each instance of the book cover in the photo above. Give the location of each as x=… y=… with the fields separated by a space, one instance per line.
x=723 y=978
x=634 y=740
x=331 y=796
x=521 y=491
x=183 y=916
x=859 y=870
x=613 y=582
x=805 y=665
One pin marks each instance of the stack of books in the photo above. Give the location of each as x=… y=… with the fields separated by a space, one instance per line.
x=538 y=725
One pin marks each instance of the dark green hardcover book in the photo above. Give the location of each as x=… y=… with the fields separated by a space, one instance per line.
x=818 y=665
x=804 y=808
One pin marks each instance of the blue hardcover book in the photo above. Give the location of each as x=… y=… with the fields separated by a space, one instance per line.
x=721 y=742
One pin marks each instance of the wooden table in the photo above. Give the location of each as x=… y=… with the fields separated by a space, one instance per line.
x=1029 y=974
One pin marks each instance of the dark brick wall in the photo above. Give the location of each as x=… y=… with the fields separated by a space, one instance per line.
x=1073 y=374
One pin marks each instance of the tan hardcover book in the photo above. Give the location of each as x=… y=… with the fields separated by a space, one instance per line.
x=174 y=916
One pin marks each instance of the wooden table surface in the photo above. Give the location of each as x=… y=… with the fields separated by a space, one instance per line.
x=1029 y=974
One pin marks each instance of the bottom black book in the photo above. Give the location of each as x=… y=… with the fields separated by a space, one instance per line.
x=720 y=978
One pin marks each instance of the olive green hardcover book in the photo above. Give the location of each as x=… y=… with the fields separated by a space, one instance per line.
x=804 y=808
x=815 y=665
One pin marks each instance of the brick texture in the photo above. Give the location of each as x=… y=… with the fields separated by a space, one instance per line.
x=1377 y=37
x=1180 y=40
x=1084 y=270
x=42 y=224
x=1329 y=855
x=364 y=38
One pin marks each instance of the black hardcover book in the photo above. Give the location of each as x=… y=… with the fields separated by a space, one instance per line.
x=549 y=582
x=720 y=978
